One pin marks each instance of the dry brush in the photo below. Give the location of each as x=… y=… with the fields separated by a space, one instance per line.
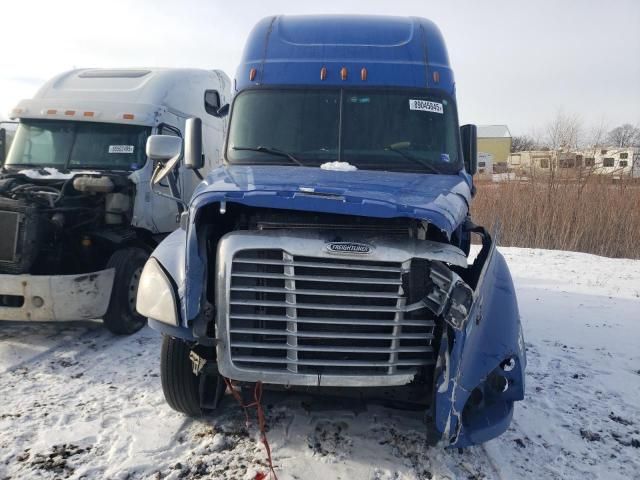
x=592 y=214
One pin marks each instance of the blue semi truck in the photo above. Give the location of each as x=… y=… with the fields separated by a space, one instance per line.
x=329 y=251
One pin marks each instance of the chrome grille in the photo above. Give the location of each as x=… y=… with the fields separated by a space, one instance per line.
x=324 y=316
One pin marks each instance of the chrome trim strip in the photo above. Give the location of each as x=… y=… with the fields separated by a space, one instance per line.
x=323 y=278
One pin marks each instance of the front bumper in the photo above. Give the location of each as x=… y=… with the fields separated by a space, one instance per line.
x=55 y=297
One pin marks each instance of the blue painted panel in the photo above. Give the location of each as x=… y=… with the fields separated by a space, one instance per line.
x=396 y=51
x=441 y=199
x=493 y=334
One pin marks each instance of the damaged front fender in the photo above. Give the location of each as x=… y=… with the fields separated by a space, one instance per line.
x=480 y=371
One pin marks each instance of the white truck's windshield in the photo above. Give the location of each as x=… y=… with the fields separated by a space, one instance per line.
x=68 y=144
x=409 y=130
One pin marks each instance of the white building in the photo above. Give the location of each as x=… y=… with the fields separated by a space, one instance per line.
x=485 y=163
x=617 y=162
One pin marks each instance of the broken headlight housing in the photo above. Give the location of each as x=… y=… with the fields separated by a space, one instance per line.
x=460 y=301
x=450 y=296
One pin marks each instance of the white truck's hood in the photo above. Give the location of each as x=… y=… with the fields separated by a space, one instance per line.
x=50 y=173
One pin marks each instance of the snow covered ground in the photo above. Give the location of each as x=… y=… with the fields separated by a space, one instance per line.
x=77 y=402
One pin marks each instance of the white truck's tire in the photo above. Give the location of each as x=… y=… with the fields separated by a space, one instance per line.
x=121 y=317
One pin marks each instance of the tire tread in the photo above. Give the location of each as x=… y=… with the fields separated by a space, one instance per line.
x=179 y=384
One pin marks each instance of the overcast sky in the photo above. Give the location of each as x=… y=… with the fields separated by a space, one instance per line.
x=515 y=62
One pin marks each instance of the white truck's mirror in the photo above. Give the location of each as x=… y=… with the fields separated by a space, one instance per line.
x=193 y=158
x=166 y=150
x=211 y=102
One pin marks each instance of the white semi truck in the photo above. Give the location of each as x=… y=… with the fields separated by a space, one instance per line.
x=77 y=212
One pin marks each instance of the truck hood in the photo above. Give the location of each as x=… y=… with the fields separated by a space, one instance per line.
x=442 y=200
x=50 y=173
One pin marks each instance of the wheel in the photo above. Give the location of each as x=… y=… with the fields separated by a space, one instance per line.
x=179 y=385
x=121 y=317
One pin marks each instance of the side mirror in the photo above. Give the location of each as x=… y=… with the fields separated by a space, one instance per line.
x=211 y=102
x=469 y=136
x=193 y=158
x=166 y=150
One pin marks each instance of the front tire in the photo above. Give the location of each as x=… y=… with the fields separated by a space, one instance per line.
x=121 y=317
x=179 y=385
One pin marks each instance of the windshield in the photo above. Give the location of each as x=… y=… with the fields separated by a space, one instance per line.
x=395 y=130
x=67 y=144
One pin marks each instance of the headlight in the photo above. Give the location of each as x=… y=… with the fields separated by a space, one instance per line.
x=156 y=298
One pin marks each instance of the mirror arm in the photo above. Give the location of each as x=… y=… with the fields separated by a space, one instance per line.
x=175 y=193
x=182 y=205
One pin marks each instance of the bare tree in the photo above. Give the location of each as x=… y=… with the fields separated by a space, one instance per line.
x=564 y=132
x=624 y=136
x=522 y=143
x=595 y=137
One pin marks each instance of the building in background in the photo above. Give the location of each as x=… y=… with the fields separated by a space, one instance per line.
x=494 y=146
x=613 y=161
x=531 y=162
x=485 y=164
x=616 y=161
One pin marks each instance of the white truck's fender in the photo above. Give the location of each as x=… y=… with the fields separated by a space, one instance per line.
x=57 y=297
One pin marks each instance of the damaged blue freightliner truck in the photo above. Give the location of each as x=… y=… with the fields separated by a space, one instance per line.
x=329 y=251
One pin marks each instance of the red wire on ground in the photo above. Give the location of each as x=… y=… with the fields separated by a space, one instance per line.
x=262 y=424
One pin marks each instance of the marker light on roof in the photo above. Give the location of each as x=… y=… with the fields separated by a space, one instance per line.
x=70 y=113
x=128 y=116
x=88 y=114
x=363 y=74
x=436 y=76
x=323 y=73
x=252 y=74
x=343 y=73
x=52 y=111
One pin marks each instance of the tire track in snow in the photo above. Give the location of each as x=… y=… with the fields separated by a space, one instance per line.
x=492 y=462
x=89 y=332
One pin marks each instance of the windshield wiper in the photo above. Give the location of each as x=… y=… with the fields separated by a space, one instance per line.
x=418 y=160
x=272 y=151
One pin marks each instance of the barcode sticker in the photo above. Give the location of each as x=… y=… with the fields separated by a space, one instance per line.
x=426 y=106
x=120 y=148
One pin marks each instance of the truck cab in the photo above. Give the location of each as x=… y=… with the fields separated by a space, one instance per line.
x=330 y=250
x=76 y=203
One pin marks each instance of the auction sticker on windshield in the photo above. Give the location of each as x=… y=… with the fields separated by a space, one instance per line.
x=120 y=148
x=425 y=106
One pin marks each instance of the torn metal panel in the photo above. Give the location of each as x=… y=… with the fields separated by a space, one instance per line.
x=469 y=408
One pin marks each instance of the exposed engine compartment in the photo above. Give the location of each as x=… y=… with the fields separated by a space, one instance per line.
x=62 y=225
x=336 y=320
